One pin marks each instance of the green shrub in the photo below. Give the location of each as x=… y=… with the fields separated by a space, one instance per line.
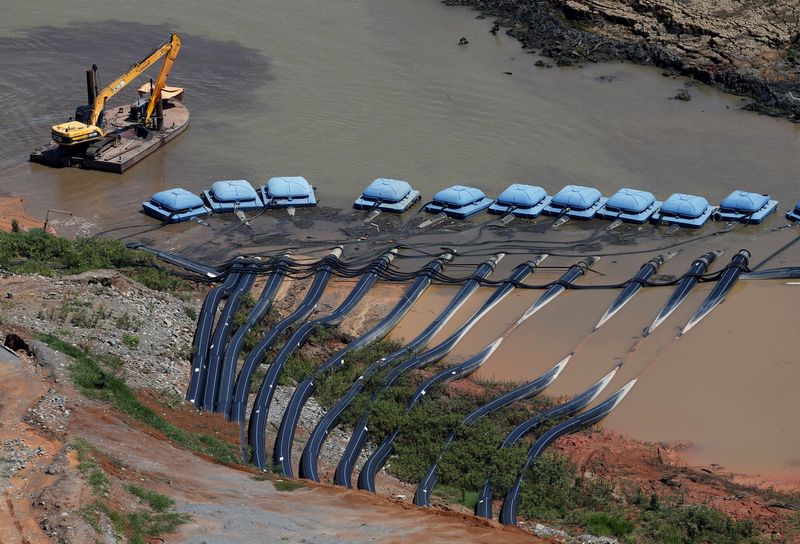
x=130 y=340
x=602 y=524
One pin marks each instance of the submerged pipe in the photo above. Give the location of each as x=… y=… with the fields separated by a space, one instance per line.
x=355 y=445
x=483 y=507
x=307 y=386
x=256 y=356
x=737 y=266
x=633 y=287
x=508 y=515
x=311 y=451
x=690 y=279
x=532 y=388
x=574 y=272
x=266 y=391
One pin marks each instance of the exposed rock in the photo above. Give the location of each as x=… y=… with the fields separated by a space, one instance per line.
x=742 y=47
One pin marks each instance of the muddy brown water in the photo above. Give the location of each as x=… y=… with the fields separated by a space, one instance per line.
x=344 y=92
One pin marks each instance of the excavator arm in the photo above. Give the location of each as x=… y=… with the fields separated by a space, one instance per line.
x=169 y=48
x=79 y=132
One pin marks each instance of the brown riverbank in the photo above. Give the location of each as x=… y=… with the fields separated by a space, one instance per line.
x=747 y=48
x=205 y=490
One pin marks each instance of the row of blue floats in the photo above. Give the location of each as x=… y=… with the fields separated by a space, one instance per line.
x=175 y=205
x=460 y=202
x=626 y=205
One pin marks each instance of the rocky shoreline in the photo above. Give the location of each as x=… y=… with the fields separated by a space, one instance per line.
x=745 y=48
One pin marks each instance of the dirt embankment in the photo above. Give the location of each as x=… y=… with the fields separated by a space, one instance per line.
x=745 y=47
x=43 y=490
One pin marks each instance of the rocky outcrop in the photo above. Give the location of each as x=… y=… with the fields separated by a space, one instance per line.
x=748 y=48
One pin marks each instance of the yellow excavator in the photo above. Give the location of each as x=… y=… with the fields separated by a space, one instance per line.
x=87 y=127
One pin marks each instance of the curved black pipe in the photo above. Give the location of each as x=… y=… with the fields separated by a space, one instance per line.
x=534 y=387
x=737 y=266
x=508 y=515
x=311 y=451
x=355 y=445
x=219 y=340
x=256 y=356
x=366 y=478
x=689 y=280
x=202 y=334
x=306 y=387
x=483 y=507
x=260 y=308
x=266 y=391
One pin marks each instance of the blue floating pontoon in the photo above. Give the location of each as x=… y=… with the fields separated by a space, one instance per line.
x=459 y=202
x=745 y=207
x=232 y=195
x=389 y=195
x=630 y=206
x=282 y=192
x=175 y=205
x=521 y=200
x=575 y=201
x=684 y=210
x=794 y=214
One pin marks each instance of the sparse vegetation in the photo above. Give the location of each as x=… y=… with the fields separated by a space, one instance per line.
x=135 y=526
x=130 y=340
x=286 y=485
x=37 y=252
x=98 y=377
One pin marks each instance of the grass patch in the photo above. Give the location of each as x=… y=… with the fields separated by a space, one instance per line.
x=130 y=340
x=99 y=383
x=36 y=252
x=286 y=485
x=156 y=501
x=602 y=524
x=136 y=526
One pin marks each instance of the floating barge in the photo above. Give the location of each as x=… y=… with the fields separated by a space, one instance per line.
x=131 y=141
x=576 y=202
x=175 y=205
x=459 y=202
x=744 y=207
x=630 y=206
x=684 y=210
x=388 y=195
x=521 y=200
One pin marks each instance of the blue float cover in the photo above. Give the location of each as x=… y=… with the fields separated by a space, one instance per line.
x=459 y=202
x=285 y=191
x=458 y=195
x=387 y=190
x=576 y=197
x=174 y=205
x=390 y=195
x=234 y=190
x=231 y=195
x=746 y=207
x=579 y=201
x=521 y=200
x=794 y=214
x=630 y=206
x=685 y=210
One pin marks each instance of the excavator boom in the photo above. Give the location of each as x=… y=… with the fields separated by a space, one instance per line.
x=75 y=132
